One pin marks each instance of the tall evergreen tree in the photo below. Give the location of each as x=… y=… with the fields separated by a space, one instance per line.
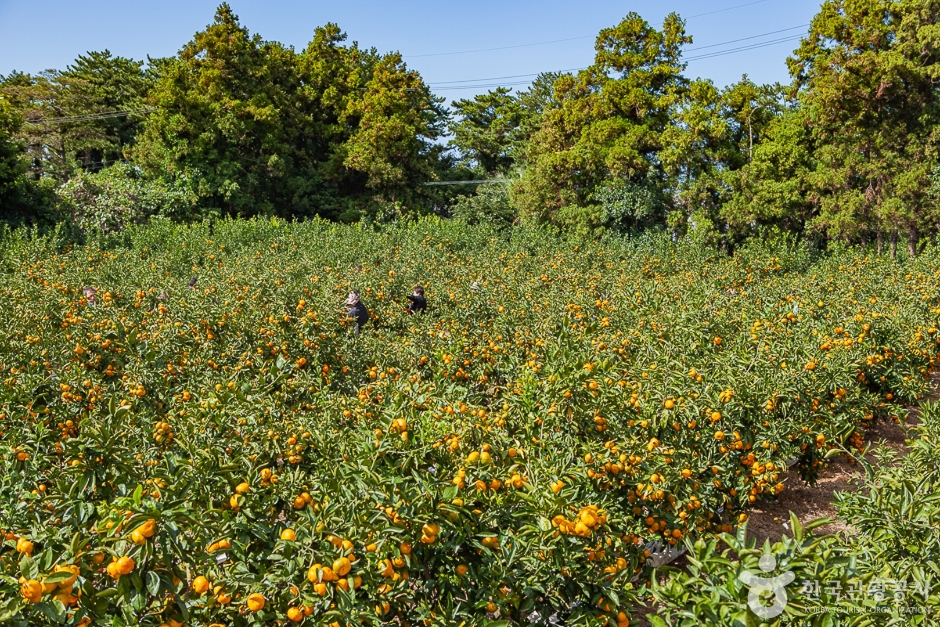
x=609 y=123
x=867 y=76
x=21 y=200
x=261 y=129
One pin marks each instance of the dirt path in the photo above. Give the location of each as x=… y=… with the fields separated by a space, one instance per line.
x=770 y=519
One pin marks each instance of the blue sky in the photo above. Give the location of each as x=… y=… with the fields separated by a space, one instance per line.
x=42 y=34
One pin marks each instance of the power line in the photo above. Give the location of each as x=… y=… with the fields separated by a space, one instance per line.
x=477 y=182
x=744 y=48
x=497 y=78
x=476 y=82
x=728 y=9
x=88 y=117
x=555 y=41
x=734 y=41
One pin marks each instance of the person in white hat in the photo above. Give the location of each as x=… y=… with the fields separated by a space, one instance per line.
x=356 y=310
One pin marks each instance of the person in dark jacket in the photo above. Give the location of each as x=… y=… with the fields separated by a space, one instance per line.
x=418 y=303
x=355 y=310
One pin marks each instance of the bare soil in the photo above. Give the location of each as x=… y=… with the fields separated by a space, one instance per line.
x=770 y=520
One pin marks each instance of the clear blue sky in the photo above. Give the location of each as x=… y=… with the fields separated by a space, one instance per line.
x=42 y=34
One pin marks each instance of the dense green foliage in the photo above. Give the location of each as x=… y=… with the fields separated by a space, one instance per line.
x=511 y=451
x=118 y=196
x=849 y=150
x=22 y=201
x=261 y=129
x=883 y=573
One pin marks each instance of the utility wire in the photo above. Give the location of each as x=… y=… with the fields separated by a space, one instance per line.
x=738 y=6
x=454 y=84
x=496 y=78
x=88 y=117
x=744 y=48
x=734 y=41
x=555 y=41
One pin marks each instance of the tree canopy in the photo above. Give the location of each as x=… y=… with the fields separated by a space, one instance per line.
x=239 y=125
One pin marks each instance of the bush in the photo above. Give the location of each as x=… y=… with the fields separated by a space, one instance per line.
x=628 y=205
x=489 y=205
x=512 y=452
x=23 y=200
x=888 y=563
x=118 y=196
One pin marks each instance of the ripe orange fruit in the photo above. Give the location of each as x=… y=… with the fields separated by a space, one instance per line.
x=24 y=546
x=288 y=535
x=588 y=518
x=295 y=614
x=200 y=584
x=70 y=568
x=125 y=565
x=255 y=602
x=31 y=591
x=148 y=529
x=342 y=566
x=669 y=404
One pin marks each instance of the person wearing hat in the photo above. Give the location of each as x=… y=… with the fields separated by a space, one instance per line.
x=356 y=310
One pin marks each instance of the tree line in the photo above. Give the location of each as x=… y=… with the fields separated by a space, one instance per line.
x=237 y=125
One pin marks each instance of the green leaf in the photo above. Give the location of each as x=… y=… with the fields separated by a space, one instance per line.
x=57 y=577
x=29 y=568
x=53 y=611
x=152 y=581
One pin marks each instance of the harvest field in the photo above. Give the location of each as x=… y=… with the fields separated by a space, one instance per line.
x=232 y=455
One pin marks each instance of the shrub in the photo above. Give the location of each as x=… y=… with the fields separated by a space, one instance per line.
x=489 y=205
x=118 y=196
